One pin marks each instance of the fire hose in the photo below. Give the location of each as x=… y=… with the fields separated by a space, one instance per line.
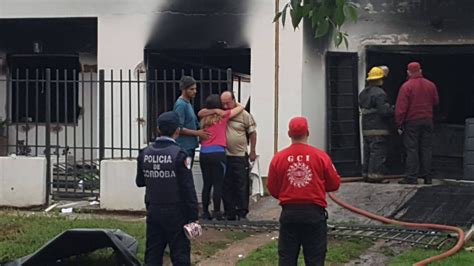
x=457 y=230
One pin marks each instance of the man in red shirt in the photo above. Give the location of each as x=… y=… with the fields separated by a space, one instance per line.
x=414 y=117
x=299 y=178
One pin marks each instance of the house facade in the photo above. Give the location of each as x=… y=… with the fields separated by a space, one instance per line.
x=315 y=79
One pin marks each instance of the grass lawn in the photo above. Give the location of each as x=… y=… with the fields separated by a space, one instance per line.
x=22 y=234
x=417 y=254
x=339 y=251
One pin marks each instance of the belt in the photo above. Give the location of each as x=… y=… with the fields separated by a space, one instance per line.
x=364 y=111
x=375 y=132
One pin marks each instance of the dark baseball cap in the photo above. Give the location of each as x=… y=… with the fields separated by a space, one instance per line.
x=186 y=82
x=168 y=121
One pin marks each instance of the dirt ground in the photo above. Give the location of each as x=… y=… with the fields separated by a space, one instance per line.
x=382 y=199
x=238 y=250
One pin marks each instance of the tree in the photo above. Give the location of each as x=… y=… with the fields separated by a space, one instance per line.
x=326 y=16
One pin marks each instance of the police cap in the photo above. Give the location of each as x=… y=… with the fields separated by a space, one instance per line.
x=168 y=122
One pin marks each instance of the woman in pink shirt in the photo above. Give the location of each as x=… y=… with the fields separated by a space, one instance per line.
x=212 y=154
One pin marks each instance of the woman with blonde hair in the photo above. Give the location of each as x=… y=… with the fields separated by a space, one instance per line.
x=212 y=155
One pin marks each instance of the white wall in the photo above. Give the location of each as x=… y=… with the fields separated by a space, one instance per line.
x=22 y=181
x=262 y=42
x=314 y=88
x=123 y=29
x=117 y=186
x=118 y=190
x=134 y=31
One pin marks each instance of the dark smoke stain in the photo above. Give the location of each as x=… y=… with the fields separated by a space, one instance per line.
x=200 y=24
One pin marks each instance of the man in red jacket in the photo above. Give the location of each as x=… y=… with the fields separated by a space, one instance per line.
x=299 y=178
x=414 y=117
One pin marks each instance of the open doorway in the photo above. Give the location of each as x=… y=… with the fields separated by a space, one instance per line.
x=450 y=68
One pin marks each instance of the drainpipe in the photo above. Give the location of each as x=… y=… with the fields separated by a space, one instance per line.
x=277 y=77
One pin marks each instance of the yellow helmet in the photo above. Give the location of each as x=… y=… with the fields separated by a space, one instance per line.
x=375 y=73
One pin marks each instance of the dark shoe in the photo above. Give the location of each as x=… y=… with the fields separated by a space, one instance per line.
x=408 y=182
x=206 y=216
x=218 y=215
x=428 y=181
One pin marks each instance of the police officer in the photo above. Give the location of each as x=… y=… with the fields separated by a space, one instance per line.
x=165 y=170
x=376 y=113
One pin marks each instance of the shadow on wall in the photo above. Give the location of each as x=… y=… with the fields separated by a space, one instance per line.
x=200 y=24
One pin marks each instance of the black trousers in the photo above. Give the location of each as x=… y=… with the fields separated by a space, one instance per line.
x=213 y=167
x=375 y=155
x=236 y=187
x=164 y=226
x=418 y=142
x=302 y=226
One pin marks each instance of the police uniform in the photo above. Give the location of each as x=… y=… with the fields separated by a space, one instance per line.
x=170 y=198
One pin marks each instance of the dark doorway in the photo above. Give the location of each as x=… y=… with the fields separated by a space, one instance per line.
x=28 y=99
x=343 y=137
x=54 y=35
x=450 y=68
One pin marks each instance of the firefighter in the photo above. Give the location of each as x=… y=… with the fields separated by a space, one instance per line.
x=376 y=116
x=299 y=178
x=164 y=168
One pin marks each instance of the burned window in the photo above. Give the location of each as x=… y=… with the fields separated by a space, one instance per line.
x=29 y=89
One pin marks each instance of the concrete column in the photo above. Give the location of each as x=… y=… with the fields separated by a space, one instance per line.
x=22 y=181
x=117 y=186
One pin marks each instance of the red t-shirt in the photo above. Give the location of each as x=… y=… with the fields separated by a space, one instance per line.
x=218 y=132
x=302 y=174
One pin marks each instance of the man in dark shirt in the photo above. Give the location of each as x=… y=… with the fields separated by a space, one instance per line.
x=164 y=168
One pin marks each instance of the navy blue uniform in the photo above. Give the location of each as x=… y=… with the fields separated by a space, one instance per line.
x=170 y=199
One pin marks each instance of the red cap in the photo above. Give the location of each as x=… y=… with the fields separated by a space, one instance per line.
x=414 y=67
x=298 y=127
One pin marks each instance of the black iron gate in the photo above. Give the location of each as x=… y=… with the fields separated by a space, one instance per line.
x=343 y=136
x=76 y=118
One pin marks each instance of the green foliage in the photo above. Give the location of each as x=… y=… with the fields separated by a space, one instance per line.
x=22 y=234
x=339 y=251
x=411 y=256
x=3 y=122
x=326 y=16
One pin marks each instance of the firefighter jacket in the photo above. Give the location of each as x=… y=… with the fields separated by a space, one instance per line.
x=376 y=111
